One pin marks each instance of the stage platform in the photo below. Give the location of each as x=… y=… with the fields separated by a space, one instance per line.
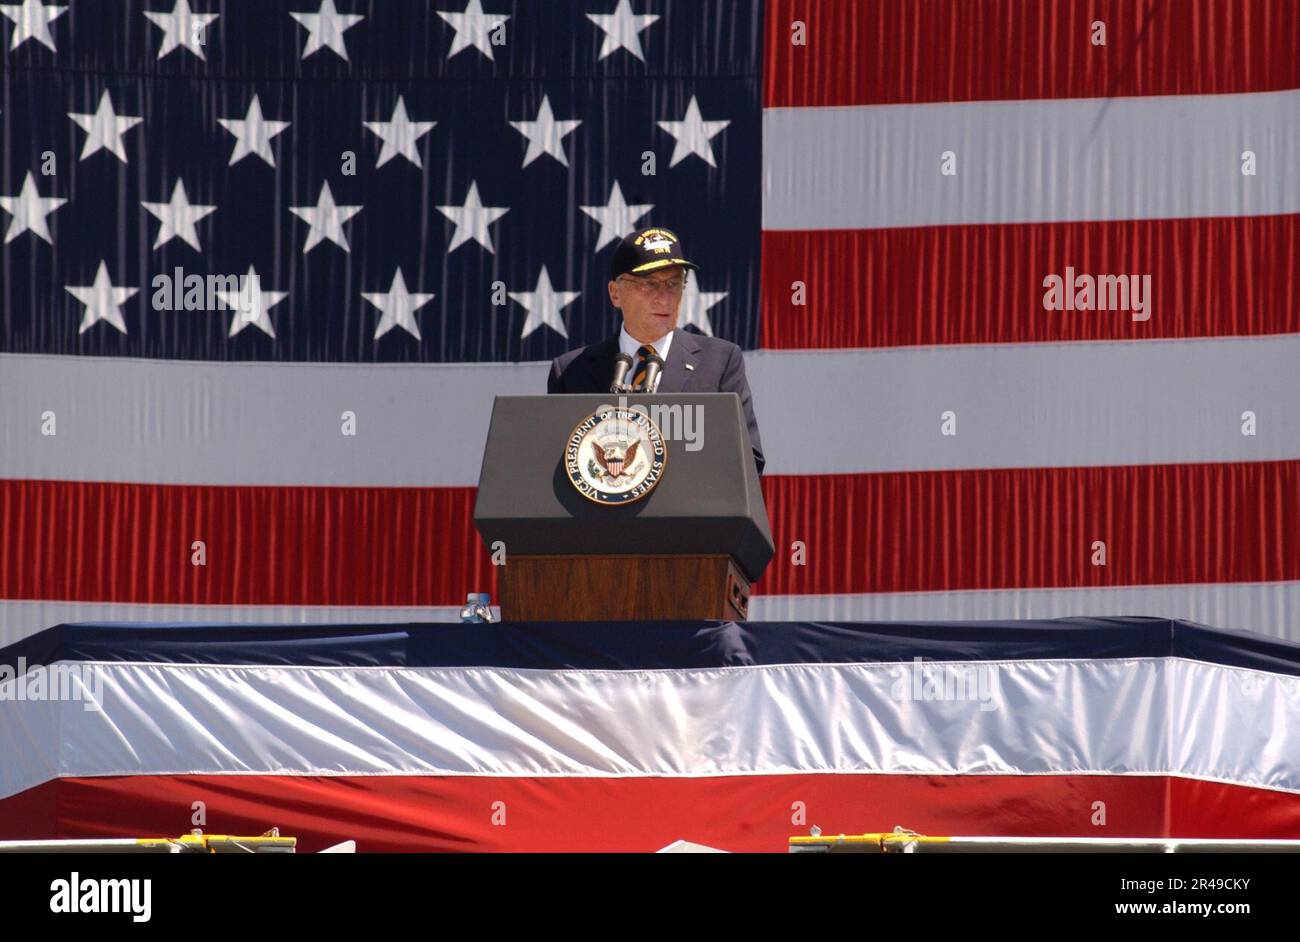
x=629 y=736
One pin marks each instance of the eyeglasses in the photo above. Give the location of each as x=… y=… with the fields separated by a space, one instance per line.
x=668 y=286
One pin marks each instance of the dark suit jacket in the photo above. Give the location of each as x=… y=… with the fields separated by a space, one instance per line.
x=718 y=366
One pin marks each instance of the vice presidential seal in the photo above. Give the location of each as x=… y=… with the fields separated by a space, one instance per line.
x=616 y=455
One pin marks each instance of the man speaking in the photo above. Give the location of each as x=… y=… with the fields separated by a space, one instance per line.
x=646 y=279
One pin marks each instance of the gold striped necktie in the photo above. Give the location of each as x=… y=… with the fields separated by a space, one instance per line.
x=646 y=351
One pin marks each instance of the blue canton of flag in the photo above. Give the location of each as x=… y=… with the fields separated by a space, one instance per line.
x=338 y=180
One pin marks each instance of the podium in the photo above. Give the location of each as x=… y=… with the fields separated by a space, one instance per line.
x=689 y=548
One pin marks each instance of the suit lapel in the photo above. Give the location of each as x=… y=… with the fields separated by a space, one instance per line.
x=685 y=350
x=600 y=363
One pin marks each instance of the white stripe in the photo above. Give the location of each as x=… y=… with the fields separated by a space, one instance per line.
x=1268 y=608
x=180 y=422
x=21 y=618
x=1057 y=160
x=820 y=412
x=1027 y=405
x=1139 y=716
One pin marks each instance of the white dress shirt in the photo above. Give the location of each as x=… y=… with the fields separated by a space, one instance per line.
x=630 y=345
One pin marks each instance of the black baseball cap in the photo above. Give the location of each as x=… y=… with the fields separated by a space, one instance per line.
x=647 y=250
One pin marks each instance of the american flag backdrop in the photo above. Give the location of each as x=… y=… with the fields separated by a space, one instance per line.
x=427 y=192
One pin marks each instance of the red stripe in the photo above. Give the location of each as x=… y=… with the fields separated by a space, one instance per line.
x=984 y=284
x=112 y=542
x=903 y=531
x=740 y=813
x=1034 y=527
x=893 y=51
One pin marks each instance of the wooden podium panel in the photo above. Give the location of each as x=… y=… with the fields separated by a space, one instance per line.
x=622 y=588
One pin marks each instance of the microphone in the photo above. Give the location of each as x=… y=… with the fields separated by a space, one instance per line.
x=653 y=365
x=622 y=363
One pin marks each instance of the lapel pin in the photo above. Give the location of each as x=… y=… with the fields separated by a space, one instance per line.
x=690 y=366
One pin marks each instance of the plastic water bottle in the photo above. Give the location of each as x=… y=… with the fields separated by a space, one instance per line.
x=477 y=610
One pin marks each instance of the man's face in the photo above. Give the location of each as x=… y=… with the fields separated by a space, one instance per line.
x=649 y=302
